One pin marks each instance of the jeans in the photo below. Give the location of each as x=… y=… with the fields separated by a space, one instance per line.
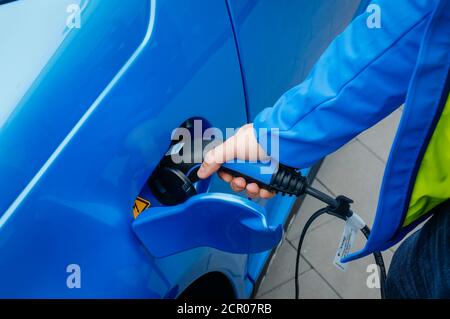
x=420 y=267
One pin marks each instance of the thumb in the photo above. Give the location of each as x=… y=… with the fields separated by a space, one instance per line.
x=216 y=157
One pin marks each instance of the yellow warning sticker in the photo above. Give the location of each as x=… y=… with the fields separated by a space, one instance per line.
x=140 y=205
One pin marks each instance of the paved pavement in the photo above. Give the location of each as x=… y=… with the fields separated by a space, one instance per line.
x=355 y=170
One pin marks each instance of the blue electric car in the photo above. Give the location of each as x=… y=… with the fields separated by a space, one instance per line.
x=90 y=91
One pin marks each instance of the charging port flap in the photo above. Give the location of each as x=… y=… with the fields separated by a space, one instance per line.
x=222 y=221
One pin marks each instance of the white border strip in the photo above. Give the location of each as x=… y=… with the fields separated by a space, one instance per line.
x=4 y=218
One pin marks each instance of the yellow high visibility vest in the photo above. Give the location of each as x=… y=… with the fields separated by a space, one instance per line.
x=432 y=185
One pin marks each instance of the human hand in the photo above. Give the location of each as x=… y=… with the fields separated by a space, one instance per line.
x=243 y=145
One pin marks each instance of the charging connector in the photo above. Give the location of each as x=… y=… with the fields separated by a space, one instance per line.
x=173 y=183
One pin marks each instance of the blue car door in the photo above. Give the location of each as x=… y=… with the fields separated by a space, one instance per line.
x=278 y=42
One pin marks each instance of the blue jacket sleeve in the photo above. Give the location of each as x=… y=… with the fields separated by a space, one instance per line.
x=361 y=78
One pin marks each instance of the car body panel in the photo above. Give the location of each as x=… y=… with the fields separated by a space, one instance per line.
x=52 y=74
x=279 y=41
x=77 y=210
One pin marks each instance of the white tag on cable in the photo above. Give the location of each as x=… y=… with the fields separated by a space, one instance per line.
x=352 y=225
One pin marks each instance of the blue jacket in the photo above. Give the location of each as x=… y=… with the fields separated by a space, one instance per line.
x=364 y=75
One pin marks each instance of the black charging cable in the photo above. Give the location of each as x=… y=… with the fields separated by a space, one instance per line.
x=289 y=181
x=338 y=207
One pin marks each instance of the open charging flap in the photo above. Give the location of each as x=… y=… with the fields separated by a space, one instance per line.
x=222 y=221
